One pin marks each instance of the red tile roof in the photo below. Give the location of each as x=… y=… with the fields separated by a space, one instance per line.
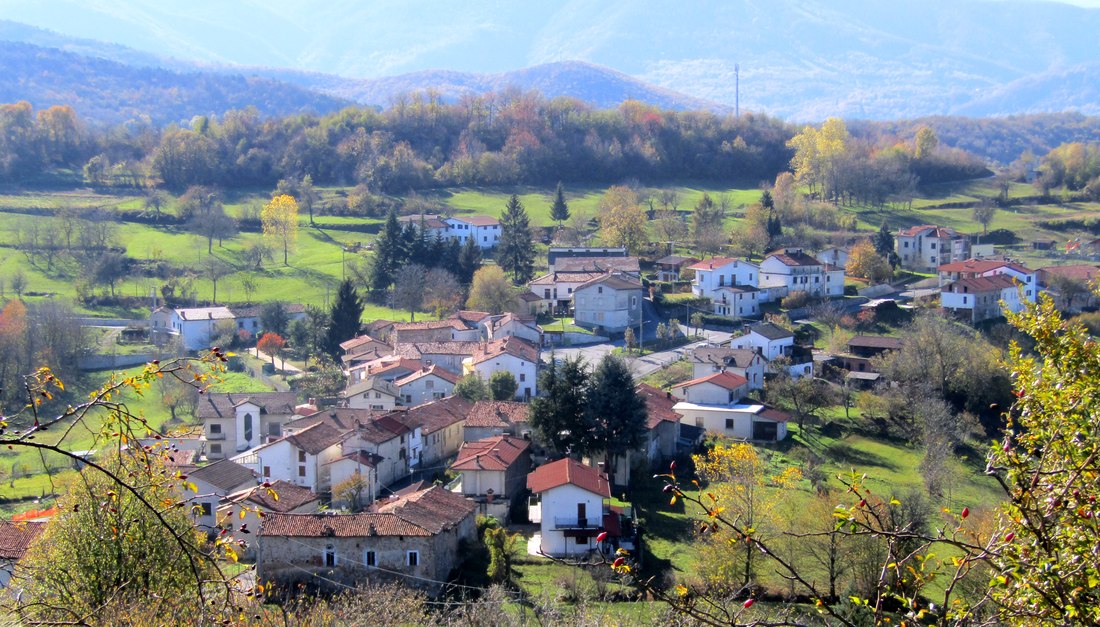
x=1078 y=273
x=514 y=346
x=477 y=220
x=436 y=415
x=794 y=257
x=497 y=413
x=876 y=341
x=387 y=363
x=16 y=538
x=471 y=317
x=717 y=262
x=981 y=266
x=774 y=414
x=937 y=231
x=223 y=405
x=726 y=380
x=350 y=345
x=569 y=471
x=497 y=453
x=434 y=369
x=566 y=277
x=435 y=509
x=291 y=497
x=996 y=282
x=614 y=281
x=339 y=526
x=359 y=457
x=597 y=264
x=449 y=323
x=658 y=406
x=315 y=439
x=417 y=350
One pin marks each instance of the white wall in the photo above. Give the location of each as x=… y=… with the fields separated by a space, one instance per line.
x=479 y=482
x=714 y=419
x=372 y=399
x=709 y=394
x=562 y=502
x=526 y=372
x=424 y=390
x=736 y=273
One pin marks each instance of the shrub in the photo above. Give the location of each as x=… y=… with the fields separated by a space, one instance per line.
x=1000 y=237
x=796 y=300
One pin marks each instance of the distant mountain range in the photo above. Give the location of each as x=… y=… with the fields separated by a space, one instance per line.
x=800 y=59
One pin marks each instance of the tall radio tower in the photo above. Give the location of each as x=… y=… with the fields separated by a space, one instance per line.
x=737 y=89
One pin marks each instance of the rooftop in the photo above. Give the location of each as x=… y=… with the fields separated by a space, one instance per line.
x=222 y=405
x=726 y=380
x=675 y=260
x=497 y=413
x=1082 y=272
x=511 y=345
x=372 y=384
x=288 y=497
x=982 y=265
x=224 y=474
x=718 y=262
x=568 y=471
x=497 y=453
x=658 y=406
x=736 y=357
x=793 y=257
x=596 y=264
x=16 y=538
x=417 y=350
x=428 y=371
x=996 y=282
x=436 y=415
x=614 y=281
x=771 y=331
x=875 y=341
x=477 y=220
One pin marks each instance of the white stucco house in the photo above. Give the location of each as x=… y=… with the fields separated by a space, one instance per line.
x=737 y=300
x=511 y=355
x=744 y=362
x=612 y=302
x=928 y=246
x=773 y=341
x=244 y=508
x=484 y=230
x=835 y=256
x=15 y=539
x=356 y=463
x=982 y=298
x=195 y=326
x=717 y=272
x=976 y=268
x=745 y=421
x=234 y=423
x=494 y=473
x=213 y=483
x=720 y=389
x=790 y=270
x=374 y=393
x=298 y=458
x=430 y=383
x=570 y=503
x=511 y=325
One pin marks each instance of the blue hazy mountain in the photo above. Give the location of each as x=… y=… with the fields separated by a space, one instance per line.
x=801 y=59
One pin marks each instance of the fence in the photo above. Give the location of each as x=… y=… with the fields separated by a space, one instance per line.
x=276 y=384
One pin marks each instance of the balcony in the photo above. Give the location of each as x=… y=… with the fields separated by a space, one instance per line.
x=566 y=522
x=215 y=436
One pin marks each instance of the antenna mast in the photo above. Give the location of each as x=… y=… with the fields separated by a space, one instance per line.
x=737 y=89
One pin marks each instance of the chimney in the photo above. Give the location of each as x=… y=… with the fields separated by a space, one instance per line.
x=489 y=495
x=668 y=395
x=600 y=467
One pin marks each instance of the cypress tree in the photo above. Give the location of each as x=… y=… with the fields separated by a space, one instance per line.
x=559 y=210
x=345 y=318
x=517 y=251
x=616 y=413
x=469 y=260
x=884 y=240
x=387 y=254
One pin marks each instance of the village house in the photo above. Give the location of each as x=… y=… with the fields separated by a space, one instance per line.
x=15 y=539
x=736 y=300
x=449 y=355
x=662 y=425
x=743 y=420
x=512 y=325
x=790 y=270
x=379 y=329
x=392 y=445
x=1081 y=276
x=430 y=383
x=494 y=473
x=717 y=272
x=863 y=348
x=413 y=540
x=974 y=300
x=511 y=354
x=363 y=345
x=556 y=253
x=556 y=288
x=484 y=230
x=489 y=419
x=720 y=388
x=427 y=331
x=387 y=368
x=571 y=505
x=974 y=268
x=926 y=247
x=629 y=266
x=441 y=426
x=359 y=464
x=234 y=423
x=611 y=303
x=431 y=224
x=744 y=362
x=773 y=341
x=670 y=267
x=214 y=482
x=297 y=458
x=195 y=326
x=835 y=256
x=243 y=508
x=373 y=393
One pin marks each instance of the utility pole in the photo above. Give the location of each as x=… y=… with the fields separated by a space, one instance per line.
x=737 y=89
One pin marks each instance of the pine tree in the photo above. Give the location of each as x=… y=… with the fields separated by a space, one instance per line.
x=558 y=417
x=516 y=252
x=559 y=210
x=387 y=253
x=616 y=413
x=469 y=260
x=775 y=227
x=766 y=200
x=409 y=238
x=345 y=318
x=884 y=240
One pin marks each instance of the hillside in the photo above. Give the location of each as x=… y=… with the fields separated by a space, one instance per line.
x=1076 y=88
x=800 y=59
x=107 y=91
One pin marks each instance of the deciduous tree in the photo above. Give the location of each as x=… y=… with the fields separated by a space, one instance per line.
x=622 y=221
x=280 y=223
x=865 y=263
x=272 y=345
x=492 y=292
x=503 y=386
x=472 y=388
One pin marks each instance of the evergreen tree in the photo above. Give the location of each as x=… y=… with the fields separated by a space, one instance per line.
x=615 y=412
x=437 y=254
x=766 y=200
x=451 y=256
x=409 y=239
x=884 y=240
x=774 y=226
x=559 y=210
x=419 y=251
x=387 y=255
x=469 y=260
x=345 y=319
x=516 y=252
x=558 y=415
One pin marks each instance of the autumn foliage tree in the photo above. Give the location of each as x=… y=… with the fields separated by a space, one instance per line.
x=492 y=292
x=280 y=224
x=622 y=220
x=271 y=344
x=865 y=263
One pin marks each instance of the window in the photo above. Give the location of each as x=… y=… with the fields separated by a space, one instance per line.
x=429 y=384
x=378 y=407
x=274 y=429
x=412 y=558
x=600 y=289
x=215 y=428
x=330 y=555
x=207 y=509
x=377 y=395
x=906 y=246
x=633 y=301
x=366 y=394
x=301 y=457
x=301 y=471
x=248 y=427
x=932 y=246
x=437 y=396
x=401 y=454
x=964 y=300
x=408 y=398
x=582 y=540
x=215 y=449
x=522 y=376
x=240 y=324
x=699 y=423
x=1029 y=292
x=370 y=559
x=486 y=238
x=729 y=423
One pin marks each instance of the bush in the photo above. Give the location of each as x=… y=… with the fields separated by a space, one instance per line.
x=1000 y=237
x=796 y=300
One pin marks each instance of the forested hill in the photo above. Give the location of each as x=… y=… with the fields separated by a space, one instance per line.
x=112 y=92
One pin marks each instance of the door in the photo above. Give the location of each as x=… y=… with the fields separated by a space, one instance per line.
x=765 y=431
x=582 y=519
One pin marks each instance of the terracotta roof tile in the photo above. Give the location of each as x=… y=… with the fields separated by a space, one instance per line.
x=993 y=283
x=736 y=357
x=417 y=350
x=876 y=341
x=497 y=453
x=359 y=457
x=436 y=415
x=597 y=264
x=569 y=471
x=726 y=380
x=434 y=509
x=1077 y=272
x=717 y=262
x=566 y=277
x=794 y=257
x=224 y=474
x=511 y=345
x=497 y=413
x=221 y=405
x=16 y=538
x=614 y=281
x=433 y=370
x=339 y=526
x=448 y=323
x=291 y=497
x=658 y=406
